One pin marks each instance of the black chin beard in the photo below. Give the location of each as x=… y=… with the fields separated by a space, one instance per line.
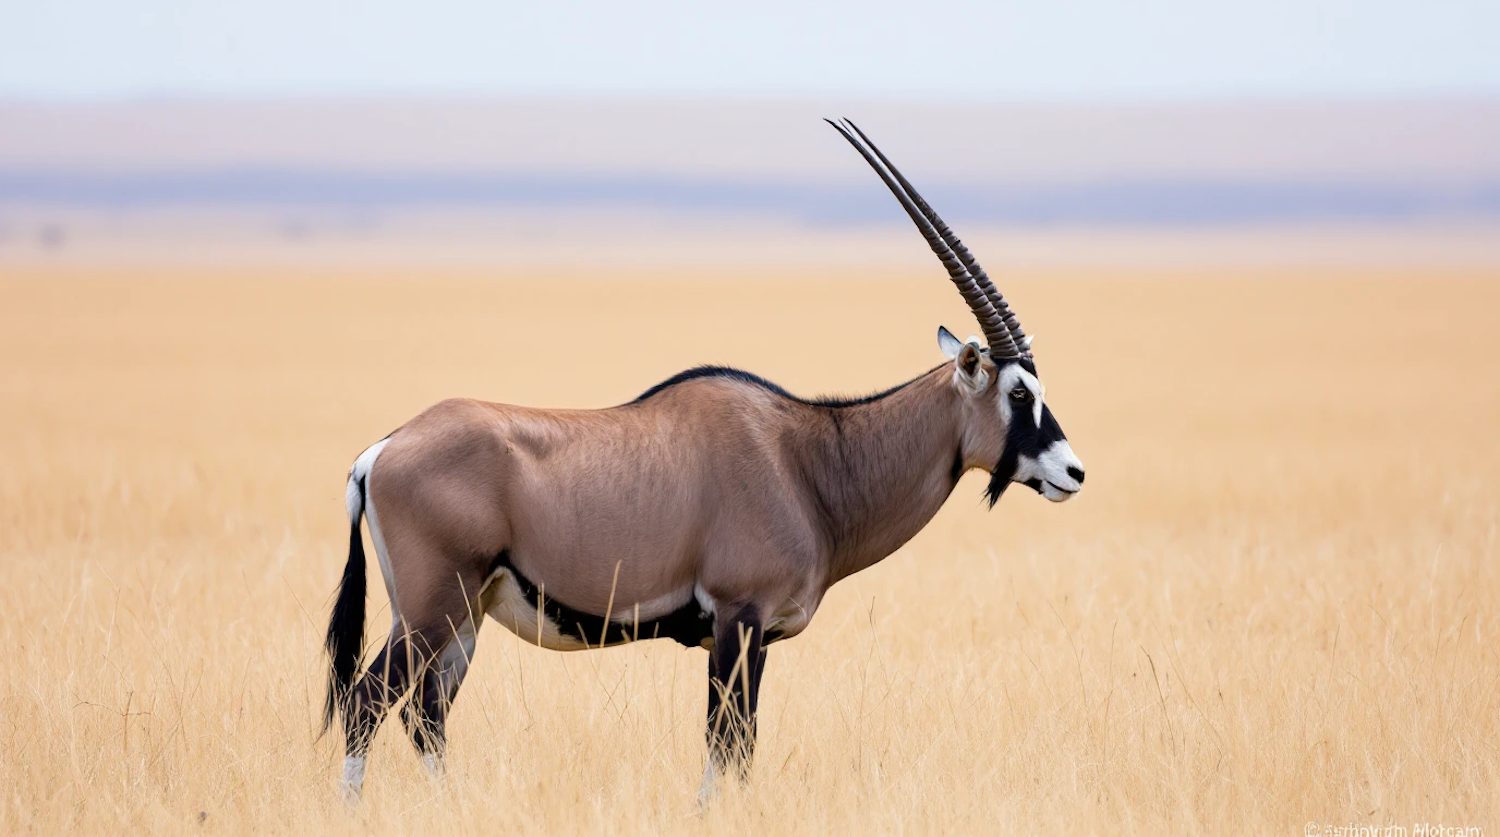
x=1000 y=476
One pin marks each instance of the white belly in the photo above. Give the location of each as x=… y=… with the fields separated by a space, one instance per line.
x=508 y=604
x=525 y=618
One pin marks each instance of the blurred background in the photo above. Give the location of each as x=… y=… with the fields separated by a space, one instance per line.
x=663 y=133
x=1259 y=243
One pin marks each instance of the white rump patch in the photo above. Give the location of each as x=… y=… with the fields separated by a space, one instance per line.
x=355 y=501
x=358 y=472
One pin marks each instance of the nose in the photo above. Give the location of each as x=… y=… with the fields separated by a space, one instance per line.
x=1076 y=473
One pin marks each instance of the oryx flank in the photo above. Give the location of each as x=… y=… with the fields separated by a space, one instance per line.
x=715 y=510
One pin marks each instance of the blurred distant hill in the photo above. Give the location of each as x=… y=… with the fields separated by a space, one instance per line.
x=997 y=164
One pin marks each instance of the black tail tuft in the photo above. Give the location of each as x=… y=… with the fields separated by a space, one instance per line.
x=346 y=627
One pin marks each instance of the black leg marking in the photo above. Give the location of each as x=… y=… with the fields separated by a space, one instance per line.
x=425 y=714
x=385 y=682
x=734 y=668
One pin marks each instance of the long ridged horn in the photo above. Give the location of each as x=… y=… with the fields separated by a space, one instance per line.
x=995 y=331
x=982 y=279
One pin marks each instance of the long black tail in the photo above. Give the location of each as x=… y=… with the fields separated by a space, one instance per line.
x=346 y=627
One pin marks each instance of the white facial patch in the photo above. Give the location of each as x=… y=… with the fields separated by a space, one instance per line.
x=1014 y=376
x=1051 y=469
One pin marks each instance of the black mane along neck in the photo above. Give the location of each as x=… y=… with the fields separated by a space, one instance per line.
x=769 y=386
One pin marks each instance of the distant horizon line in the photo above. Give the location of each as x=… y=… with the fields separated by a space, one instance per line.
x=1350 y=158
x=1123 y=200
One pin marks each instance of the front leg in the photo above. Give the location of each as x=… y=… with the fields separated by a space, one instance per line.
x=734 y=668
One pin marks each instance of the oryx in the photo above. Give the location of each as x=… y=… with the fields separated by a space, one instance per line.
x=716 y=509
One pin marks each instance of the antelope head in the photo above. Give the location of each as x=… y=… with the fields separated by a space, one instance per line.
x=1006 y=421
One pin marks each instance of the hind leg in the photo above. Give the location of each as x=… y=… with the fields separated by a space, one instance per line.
x=387 y=679
x=422 y=639
x=425 y=715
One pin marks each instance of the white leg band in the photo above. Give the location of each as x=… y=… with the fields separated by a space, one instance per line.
x=709 y=790
x=354 y=778
x=434 y=765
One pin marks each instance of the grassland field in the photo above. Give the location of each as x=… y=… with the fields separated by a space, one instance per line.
x=1276 y=602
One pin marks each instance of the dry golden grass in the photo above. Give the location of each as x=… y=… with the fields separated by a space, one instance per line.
x=1276 y=602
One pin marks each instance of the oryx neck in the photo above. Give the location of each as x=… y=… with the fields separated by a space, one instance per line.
x=880 y=470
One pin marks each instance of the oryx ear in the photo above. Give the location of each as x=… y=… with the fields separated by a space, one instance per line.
x=968 y=363
x=948 y=343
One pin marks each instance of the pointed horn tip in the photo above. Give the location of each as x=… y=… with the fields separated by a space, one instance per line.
x=935 y=231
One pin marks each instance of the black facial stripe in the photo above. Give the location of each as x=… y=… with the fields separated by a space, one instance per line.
x=1022 y=437
x=1050 y=433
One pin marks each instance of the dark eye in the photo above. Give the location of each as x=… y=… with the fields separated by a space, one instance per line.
x=1020 y=394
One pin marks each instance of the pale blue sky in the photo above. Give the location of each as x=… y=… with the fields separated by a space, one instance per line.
x=1085 y=50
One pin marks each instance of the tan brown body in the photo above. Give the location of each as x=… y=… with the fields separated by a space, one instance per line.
x=715 y=510
x=714 y=487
